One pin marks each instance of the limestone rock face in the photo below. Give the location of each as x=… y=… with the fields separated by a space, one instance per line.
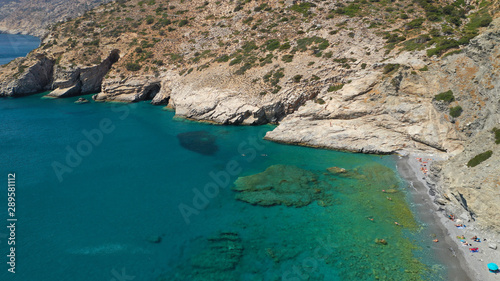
x=130 y=89
x=81 y=80
x=32 y=78
x=38 y=72
x=474 y=192
x=369 y=115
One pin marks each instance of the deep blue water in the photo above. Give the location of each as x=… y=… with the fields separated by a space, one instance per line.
x=15 y=45
x=92 y=216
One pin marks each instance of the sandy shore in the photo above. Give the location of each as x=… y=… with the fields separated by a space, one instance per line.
x=462 y=264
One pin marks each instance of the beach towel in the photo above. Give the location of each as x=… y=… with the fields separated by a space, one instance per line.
x=474 y=250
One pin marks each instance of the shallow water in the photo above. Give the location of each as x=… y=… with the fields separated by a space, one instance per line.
x=98 y=184
x=15 y=45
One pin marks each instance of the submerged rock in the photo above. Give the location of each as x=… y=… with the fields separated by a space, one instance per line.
x=283 y=185
x=217 y=262
x=223 y=253
x=336 y=170
x=154 y=239
x=200 y=141
x=82 y=100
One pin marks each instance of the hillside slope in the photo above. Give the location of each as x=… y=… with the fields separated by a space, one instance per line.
x=33 y=17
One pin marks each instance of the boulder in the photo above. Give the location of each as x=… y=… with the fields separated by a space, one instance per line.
x=82 y=100
x=154 y=239
x=336 y=170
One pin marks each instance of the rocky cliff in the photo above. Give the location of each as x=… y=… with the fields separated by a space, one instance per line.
x=371 y=77
x=469 y=183
x=34 y=16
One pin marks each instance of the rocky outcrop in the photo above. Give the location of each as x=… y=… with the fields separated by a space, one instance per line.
x=283 y=185
x=29 y=78
x=134 y=89
x=81 y=80
x=472 y=193
x=370 y=115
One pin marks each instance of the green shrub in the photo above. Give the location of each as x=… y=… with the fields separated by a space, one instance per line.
x=297 y=78
x=363 y=65
x=320 y=101
x=249 y=46
x=351 y=10
x=21 y=68
x=478 y=159
x=132 y=66
x=452 y=53
x=497 y=135
x=287 y=58
x=479 y=20
x=223 y=58
x=183 y=23
x=243 y=69
x=456 y=111
x=303 y=43
x=236 y=60
x=416 y=23
x=285 y=46
x=442 y=46
x=302 y=8
x=272 y=44
x=445 y=96
x=390 y=68
x=425 y=68
x=337 y=87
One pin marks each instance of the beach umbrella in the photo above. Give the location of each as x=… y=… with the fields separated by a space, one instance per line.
x=492 y=267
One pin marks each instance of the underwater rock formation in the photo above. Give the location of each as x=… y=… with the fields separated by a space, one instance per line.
x=216 y=263
x=283 y=185
x=200 y=141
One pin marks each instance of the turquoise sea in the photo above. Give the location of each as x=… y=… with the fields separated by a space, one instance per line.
x=14 y=45
x=127 y=192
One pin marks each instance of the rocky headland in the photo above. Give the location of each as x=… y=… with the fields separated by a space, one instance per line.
x=370 y=77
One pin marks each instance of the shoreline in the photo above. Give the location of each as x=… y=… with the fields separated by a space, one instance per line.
x=461 y=264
